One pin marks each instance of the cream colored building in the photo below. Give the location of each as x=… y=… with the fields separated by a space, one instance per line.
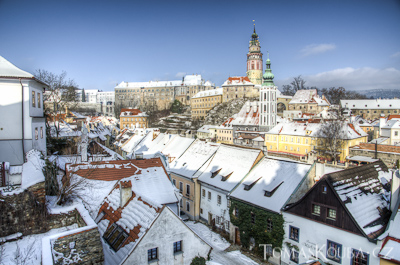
x=225 y=132
x=185 y=171
x=239 y=87
x=308 y=101
x=133 y=118
x=207 y=133
x=160 y=94
x=372 y=108
x=203 y=101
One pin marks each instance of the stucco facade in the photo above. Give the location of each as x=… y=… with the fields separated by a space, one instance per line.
x=164 y=232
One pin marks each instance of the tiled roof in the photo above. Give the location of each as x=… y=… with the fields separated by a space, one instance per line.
x=237 y=80
x=361 y=191
x=113 y=170
x=381 y=147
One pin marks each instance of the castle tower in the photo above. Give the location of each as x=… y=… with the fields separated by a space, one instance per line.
x=268 y=100
x=254 y=60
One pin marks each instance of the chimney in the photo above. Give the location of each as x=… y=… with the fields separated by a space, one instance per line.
x=125 y=188
x=382 y=122
x=394 y=189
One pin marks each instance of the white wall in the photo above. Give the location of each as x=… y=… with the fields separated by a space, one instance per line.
x=11 y=119
x=212 y=206
x=313 y=235
x=166 y=230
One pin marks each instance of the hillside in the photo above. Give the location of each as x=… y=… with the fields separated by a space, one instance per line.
x=223 y=111
x=380 y=93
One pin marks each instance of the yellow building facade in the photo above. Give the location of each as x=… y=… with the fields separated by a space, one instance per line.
x=299 y=139
x=133 y=118
x=203 y=101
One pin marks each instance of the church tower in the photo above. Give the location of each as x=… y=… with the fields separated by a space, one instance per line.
x=254 y=60
x=268 y=99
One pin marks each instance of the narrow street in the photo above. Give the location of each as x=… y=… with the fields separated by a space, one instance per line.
x=219 y=255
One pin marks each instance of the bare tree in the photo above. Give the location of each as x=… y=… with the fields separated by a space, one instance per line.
x=331 y=137
x=298 y=83
x=60 y=94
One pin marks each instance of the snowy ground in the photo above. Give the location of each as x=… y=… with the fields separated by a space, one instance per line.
x=218 y=255
x=27 y=250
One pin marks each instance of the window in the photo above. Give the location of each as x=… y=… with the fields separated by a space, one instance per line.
x=174 y=181
x=188 y=206
x=38 y=100
x=36 y=134
x=209 y=195
x=396 y=133
x=152 y=254
x=187 y=189
x=253 y=218
x=180 y=187
x=294 y=255
x=227 y=225
x=236 y=212
x=204 y=193
x=177 y=246
x=334 y=251
x=269 y=225
x=359 y=258
x=218 y=220
x=294 y=233
x=324 y=189
x=316 y=209
x=331 y=214
x=41 y=132
x=33 y=99
x=219 y=199
x=115 y=236
x=201 y=210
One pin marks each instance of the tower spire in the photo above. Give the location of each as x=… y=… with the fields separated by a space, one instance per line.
x=254 y=59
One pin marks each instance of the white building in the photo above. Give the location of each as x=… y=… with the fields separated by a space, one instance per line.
x=107 y=101
x=340 y=219
x=268 y=101
x=137 y=223
x=219 y=176
x=22 y=124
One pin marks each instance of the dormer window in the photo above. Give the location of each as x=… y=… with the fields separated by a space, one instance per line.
x=224 y=178
x=249 y=186
x=115 y=236
x=213 y=174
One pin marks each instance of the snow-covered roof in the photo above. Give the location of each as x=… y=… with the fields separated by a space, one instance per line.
x=228 y=166
x=177 y=146
x=392 y=124
x=349 y=131
x=7 y=69
x=206 y=128
x=271 y=183
x=135 y=218
x=248 y=115
x=364 y=196
x=132 y=112
x=370 y=103
x=32 y=170
x=193 y=158
x=209 y=93
x=133 y=141
x=189 y=80
x=379 y=140
x=362 y=159
x=157 y=145
x=391 y=251
x=238 y=81
x=303 y=96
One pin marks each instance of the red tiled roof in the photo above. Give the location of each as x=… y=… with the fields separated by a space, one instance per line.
x=132 y=111
x=381 y=147
x=114 y=216
x=393 y=116
x=120 y=169
x=239 y=78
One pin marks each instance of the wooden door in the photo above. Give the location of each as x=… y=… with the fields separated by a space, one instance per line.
x=237 y=236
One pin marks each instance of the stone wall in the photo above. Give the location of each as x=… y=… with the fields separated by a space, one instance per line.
x=24 y=213
x=388 y=158
x=81 y=248
x=39 y=191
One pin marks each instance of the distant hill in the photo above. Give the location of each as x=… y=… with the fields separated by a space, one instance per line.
x=380 y=93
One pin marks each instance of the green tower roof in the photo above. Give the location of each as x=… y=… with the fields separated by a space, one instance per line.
x=268 y=76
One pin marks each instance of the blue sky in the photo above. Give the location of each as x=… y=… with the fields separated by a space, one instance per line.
x=355 y=44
